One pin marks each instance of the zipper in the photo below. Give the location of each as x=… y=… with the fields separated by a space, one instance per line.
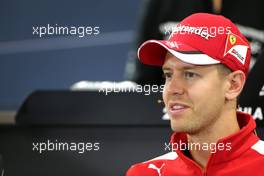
x=208 y=164
x=202 y=173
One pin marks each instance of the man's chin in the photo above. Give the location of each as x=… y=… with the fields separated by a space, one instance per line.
x=179 y=129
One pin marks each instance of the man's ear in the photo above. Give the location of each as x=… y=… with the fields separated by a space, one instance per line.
x=236 y=81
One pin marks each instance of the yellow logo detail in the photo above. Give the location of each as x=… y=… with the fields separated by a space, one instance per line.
x=232 y=39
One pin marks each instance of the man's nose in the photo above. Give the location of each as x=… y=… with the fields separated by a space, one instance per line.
x=175 y=86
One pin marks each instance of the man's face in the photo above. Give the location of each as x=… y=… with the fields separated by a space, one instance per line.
x=193 y=95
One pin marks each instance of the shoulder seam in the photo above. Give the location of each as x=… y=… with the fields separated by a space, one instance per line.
x=167 y=156
x=259 y=147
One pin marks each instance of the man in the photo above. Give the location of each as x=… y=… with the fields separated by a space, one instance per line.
x=205 y=64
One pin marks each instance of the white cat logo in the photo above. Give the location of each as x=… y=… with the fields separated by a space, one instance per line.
x=152 y=166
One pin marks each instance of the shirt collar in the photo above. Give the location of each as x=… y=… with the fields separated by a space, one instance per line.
x=239 y=142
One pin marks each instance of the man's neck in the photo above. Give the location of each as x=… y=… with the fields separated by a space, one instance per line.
x=226 y=125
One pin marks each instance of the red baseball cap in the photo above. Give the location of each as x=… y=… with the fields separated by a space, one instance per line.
x=201 y=39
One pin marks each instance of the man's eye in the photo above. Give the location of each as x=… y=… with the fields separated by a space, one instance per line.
x=166 y=75
x=189 y=75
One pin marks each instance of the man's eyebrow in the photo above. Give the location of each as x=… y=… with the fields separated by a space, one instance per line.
x=166 y=68
x=186 y=67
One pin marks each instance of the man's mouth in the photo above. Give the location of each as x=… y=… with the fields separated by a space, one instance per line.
x=176 y=109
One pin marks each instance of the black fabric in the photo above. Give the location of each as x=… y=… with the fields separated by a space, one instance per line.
x=251 y=99
x=260 y=132
x=187 y=153
x=90 y=108
x=1 y=165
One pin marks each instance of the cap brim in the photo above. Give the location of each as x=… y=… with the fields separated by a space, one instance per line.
x=153 y=52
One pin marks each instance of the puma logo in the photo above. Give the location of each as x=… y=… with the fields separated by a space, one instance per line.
x=152 y=166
